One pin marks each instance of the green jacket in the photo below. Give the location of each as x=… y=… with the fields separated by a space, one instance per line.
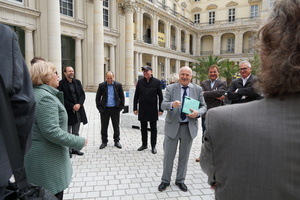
x=48 y=163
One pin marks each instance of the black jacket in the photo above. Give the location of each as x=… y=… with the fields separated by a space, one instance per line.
x=146 y=94
x=102 y=95
x=247 y=90
x=69 y=101
x=14 y=72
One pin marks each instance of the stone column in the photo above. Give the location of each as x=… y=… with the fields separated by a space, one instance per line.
x=153 y=65
x=217 y=44
x=129 y=46
x=154 y=31
x=98 y=42
x=78 y=59
x=194 y=44
x=177 y=66
x=29 y=53
x=136 y=65
x=112 y=58
x=54 y=34
x=187 y=42
x=141 y=26
x=198 y=45
x=138 y=25
x=167 y=68
x=140 y=62
x=167 y=35
x=238 y=43
x=113 y=16
x=178 y=39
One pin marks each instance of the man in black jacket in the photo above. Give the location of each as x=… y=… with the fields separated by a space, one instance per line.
x=147 y=91
x=110 y=101
x=74 y=98
x=17 y=82
x=241 y=90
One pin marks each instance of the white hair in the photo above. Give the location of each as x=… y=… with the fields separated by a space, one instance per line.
x=245 y=62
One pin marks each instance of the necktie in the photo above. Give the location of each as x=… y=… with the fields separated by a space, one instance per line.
x=183 y=115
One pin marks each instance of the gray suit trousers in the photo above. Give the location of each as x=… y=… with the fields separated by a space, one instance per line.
x=170 y=148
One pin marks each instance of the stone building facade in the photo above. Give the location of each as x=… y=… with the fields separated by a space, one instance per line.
x=95 y=36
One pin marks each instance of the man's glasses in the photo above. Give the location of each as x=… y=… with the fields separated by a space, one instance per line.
x=56 y=73
x=245 y=68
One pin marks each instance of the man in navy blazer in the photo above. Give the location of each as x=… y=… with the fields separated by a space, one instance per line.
x=241 y=90
x=180 y=128
x=110 y=101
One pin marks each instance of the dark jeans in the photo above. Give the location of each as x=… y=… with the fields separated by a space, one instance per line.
x=145 y=133
x=114 y=114
x=74 y=129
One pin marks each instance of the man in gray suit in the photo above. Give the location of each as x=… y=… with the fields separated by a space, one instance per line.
x=251 y=150
x=180 y=127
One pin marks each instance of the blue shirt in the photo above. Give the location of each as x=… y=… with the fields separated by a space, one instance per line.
x=111 y=102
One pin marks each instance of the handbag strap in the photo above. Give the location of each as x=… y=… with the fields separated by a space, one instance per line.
x=10 y=137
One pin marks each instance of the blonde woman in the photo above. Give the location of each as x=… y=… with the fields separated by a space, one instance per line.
x=47 y=163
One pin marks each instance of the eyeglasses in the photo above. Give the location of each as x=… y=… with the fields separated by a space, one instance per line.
x=241 y=69
x=56 y=73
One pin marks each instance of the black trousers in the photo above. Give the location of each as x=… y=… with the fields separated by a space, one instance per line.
x=114 y=114
x=145 y=133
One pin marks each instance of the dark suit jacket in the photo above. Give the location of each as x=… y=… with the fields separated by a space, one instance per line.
x=69 y=101
x=210 y=94
x=146 y=95
x=246 y=90
x=14 y=72
x=251 y=150
x=102 y=95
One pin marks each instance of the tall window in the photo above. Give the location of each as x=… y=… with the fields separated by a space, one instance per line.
x=230 y=45
x=254 y=11
x=105 y=13
x=174 y=8
x=271 y=3
x=211 y=17
x=66 y=7
x=196 y=18
x=231 y=15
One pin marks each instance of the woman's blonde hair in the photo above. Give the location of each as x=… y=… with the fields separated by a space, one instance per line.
x=41 y=73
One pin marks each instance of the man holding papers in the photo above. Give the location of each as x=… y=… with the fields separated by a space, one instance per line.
x=180 y=128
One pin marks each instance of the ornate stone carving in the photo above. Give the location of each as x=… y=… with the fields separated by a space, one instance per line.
x=211 y=7
x=129 y=6
x=183 y=4
x=196 y=9
x=232 y=3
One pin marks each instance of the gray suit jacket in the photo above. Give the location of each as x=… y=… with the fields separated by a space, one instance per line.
x=251 y=150
x=210 y=94
x=173 y=92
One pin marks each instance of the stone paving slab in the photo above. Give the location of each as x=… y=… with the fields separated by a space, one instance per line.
x=128 y=174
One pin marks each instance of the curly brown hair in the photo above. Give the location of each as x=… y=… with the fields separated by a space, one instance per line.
x=279 y=48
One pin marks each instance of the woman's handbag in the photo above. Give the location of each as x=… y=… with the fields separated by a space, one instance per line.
x=20 y=189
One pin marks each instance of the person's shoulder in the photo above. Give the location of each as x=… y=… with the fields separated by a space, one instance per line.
x=4 y=29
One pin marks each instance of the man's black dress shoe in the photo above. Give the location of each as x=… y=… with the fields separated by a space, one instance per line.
x=163 y=186
x=142 y=148
x=102 y=146
x=118 y=145
x=154 y=151
x=182 y=186
x=77 y=152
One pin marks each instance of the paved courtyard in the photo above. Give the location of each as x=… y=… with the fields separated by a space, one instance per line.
x=117 y=174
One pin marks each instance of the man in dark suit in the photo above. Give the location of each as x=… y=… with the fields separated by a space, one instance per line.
x=241 y=90
x=251 y=150
x=74 y=97
x=180 y=127
x=213 y=91
x=110 y=101
x=14 y=73
x=147 y=92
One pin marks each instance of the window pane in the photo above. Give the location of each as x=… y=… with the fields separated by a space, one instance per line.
x=66 y=7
